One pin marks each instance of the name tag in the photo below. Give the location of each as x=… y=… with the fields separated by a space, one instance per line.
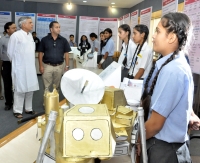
x=140 y=55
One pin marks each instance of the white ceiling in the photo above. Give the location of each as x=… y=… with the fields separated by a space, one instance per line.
x=118 y=3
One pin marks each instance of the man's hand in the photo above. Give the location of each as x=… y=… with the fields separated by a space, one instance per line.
x=66 y=68
x=194 y=122
x=41 y=69
x=99 y=66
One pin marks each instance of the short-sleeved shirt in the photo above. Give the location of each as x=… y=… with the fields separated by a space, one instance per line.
x=3 y=48
x=54 y=49
x=144 y=60
x=173 y=97
x=95 y=44
x=109 y=47
x=130 y=52
x=72 y=44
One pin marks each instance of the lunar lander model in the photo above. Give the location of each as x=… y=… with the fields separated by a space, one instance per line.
x=95 y=122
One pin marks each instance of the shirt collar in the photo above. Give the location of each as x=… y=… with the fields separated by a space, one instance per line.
x=50 y=36
x=160 y=62
x=27 y=33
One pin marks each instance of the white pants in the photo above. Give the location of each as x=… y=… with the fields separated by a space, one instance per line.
x=19 y=99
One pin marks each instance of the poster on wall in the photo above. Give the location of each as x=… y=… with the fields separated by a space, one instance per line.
x=121 y=20
x=169 y=6
x=145 y=16
x=111 y=23
x=134 y=19
x=42 y=25
x=127 y=19
x=67 y=25
x=22 y=14
x=5 y=16
x=88 y=25
x=192 y=8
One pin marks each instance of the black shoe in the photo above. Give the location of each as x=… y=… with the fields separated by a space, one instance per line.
x=7 y=107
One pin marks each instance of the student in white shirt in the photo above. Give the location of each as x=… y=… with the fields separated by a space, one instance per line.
x=142 y=62
x=107 y=50
x=128 y=49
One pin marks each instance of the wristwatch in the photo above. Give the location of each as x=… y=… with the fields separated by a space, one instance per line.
x=67 y=66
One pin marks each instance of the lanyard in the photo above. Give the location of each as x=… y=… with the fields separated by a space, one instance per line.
x=135 y=59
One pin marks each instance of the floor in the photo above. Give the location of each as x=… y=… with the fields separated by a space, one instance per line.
x=24 y=146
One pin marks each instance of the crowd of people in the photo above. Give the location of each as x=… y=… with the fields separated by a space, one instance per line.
x=168 y=83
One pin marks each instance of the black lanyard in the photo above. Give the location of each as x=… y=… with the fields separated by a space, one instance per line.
x=135 y=59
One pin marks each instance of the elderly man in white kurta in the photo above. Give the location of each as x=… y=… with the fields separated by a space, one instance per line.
x=21 y=52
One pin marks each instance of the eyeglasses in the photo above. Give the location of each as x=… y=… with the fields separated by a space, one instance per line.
x=54 y=44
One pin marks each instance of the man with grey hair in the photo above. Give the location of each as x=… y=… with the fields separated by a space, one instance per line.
x=21 y=52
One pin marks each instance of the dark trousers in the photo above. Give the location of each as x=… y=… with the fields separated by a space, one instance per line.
x=159 y=151
x=124 y=74
x=97 y=160
x=7 y=81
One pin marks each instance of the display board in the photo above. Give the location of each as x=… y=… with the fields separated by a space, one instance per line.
x=88 y=25
x=111 y=23
x=145 y=16
x=192 y=8
x=5 y=16
x=127 y=19
x=121 y=20
x=23 y=14
x=42 y=25
x=134 y=19
x=67 y=25
x=169 y=6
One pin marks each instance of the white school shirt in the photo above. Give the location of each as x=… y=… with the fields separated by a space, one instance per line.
x=21 y=52
x=145 y=60
x=130 y=52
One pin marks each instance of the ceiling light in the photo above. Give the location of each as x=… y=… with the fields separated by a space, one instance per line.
x=69 y=6
x=113 y=3
x=84 y=1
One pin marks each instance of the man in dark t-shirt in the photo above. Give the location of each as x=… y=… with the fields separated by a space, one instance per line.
x=53 y=50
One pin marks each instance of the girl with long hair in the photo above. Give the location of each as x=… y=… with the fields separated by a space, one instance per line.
x=107 y=49
x=168 y=92
x=128 y=49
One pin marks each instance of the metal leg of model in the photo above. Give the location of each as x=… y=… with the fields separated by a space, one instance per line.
x=142 y=134
x=49 y=129
x=139 y=131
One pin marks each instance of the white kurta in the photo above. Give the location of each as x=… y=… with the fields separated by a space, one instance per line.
x=21 y=52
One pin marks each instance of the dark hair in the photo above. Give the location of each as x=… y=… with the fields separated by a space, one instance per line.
x=7 y=26
x=102 y=32
x=102 y=41
x=179 y=24
x=52 y=23
x=33 y=32
x=93 y=35
x=71 y=36
x=126 y=28
x=109 y=31
x=86 y=39
x=142 y=29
